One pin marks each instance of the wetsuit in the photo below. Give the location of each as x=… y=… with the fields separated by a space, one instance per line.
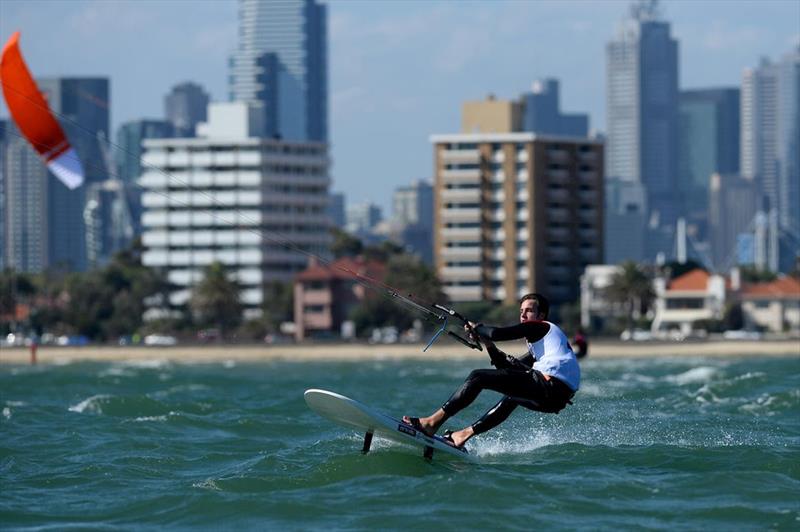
x=523 y=380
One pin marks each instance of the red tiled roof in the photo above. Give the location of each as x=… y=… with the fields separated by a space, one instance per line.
x=695 y=280
x=783 y=288
x=341 y=269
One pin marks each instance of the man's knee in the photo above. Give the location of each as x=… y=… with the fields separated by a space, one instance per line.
x=477 y=375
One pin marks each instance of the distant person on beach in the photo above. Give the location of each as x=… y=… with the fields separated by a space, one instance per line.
x=581 y=344
x=544 y=379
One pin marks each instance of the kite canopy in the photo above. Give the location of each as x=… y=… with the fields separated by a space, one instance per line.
x=34 y=118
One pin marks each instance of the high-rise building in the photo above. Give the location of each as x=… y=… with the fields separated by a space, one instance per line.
x=362 y=218
x=542 y=112
x=515 y=213
x=708 y=143
x=185 y=107
x=412 y=213
x=491 y=116
x=129 y=145
x=642 y=109
x=537 y=111
x=111 y=217
x=281 y=66
x=626 y=221
x=261 y=72
x=731 y=215
x=257 y=205
x=44 y=219
x=336 y=211
x=3 y=134
x=770 y=142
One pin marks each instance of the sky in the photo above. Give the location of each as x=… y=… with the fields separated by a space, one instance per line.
x=399 y=71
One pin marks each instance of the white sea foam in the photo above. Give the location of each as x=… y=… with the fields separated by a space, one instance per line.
x=117 y=371
x=155 y=363
x=91 y=405
x=504 y=445
x=702 y=374
x=228 y=364
x=6 y=412
x=16 y=403
x=150 y=418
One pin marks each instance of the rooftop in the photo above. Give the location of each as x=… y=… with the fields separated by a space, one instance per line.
x=782 y=288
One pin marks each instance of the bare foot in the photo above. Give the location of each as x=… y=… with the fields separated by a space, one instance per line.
x=421 y=423
x=460 y=437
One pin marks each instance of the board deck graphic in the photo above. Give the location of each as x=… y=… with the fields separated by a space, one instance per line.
x=351 y=413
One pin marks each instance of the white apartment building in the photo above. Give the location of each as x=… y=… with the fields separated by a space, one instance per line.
x=229 y=195
x=516 y=212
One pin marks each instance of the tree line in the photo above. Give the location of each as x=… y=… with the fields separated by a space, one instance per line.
x=126 y=299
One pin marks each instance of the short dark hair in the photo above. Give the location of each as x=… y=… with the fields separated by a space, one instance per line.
x=542 y=304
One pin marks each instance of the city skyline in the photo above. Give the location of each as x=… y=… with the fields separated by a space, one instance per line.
x=398 y=69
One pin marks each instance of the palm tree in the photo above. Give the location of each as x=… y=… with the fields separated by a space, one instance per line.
x=215 y=300
x=631 y=288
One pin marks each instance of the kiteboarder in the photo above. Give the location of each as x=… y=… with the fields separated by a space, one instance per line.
x=544 y=379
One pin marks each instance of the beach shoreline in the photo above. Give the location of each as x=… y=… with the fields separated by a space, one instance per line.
x=361 y=351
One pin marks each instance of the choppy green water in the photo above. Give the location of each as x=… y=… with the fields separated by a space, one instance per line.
x=659 y=444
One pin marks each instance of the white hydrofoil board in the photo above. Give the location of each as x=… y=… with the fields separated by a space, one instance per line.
x=351 y=413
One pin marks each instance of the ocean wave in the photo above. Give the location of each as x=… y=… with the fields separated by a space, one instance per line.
x=702 y=374
x=153 y=363
x=91 y=405
x=127 y=406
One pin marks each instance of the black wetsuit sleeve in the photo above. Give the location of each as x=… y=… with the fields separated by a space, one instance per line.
x=501 y=360
x=527 y=359
x=532 y=331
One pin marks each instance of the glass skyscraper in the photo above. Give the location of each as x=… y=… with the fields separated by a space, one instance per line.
x=770 y=141
x=642 y=106
x=281 y=66
x=184 y=107
x=542 y=112
x=130 y=137
x=45 y=225
x=708 y=143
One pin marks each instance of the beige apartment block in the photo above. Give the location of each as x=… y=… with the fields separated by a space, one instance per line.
x=515 y=213
x=491 y=116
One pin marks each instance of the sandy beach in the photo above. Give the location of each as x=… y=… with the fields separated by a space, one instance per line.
x=358 y=351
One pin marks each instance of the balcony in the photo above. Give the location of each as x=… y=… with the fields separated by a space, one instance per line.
x=460 y=273
x=460 y=215
x=461 y=176
x=471 y=195
x=461 y=254
x=459 y=294
x=461 y=156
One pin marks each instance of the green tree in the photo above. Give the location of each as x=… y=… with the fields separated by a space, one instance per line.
x=90 y=304
x=411 y=278
x=733 y=317
x=477 y=311
x=345 y=245
x=132 y=284
x=278 y=304
x=383 y=252
x=675 y=269
x=751 y=274
x=215 y=300
x=15 y=288
x=569 y=315
x=632 y=288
